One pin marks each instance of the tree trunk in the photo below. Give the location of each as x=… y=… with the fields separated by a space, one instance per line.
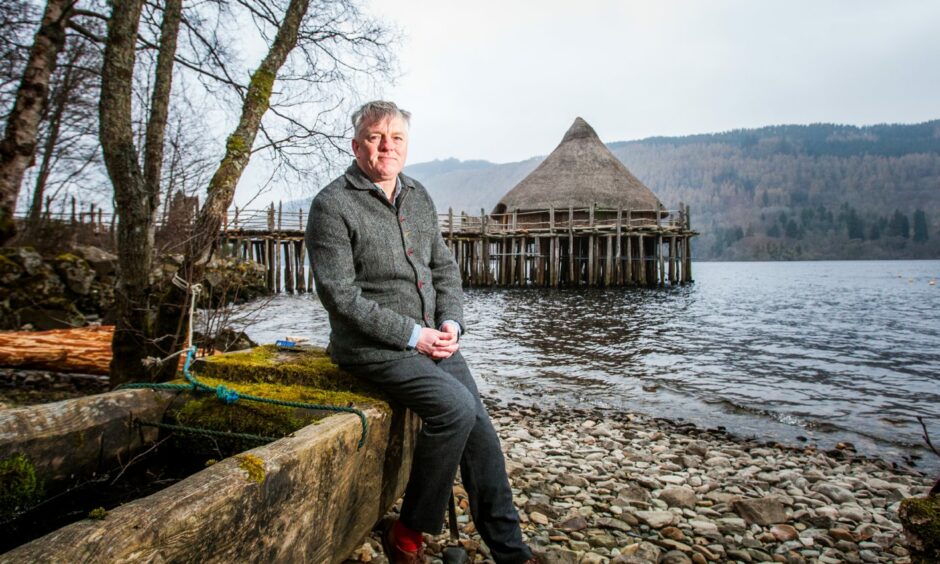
x=19 y=143
x=134 y=194
x=60 y=100
x=221 y=189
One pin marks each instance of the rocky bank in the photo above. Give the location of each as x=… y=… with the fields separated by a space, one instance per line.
x=599 y=487
x=76 y=287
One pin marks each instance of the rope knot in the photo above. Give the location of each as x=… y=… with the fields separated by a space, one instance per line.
x=227 y=395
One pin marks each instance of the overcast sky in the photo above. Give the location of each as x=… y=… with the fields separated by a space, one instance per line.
x=503 y=80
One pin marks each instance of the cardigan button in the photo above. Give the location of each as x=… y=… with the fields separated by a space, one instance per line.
x=420 y=284
x=410 y=252
x=401 y=219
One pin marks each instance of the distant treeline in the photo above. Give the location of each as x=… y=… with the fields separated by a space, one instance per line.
x=801 y=192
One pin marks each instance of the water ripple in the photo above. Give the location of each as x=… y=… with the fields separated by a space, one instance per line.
x=824 y=350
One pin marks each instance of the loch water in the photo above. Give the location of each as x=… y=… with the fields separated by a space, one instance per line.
x=799 y=352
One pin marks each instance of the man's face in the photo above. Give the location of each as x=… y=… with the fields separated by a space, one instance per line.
x=381 y=148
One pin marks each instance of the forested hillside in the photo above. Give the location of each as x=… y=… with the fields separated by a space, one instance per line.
x=781 y=192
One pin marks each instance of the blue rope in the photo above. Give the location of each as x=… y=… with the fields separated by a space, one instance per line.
x=227 y=395
x=230 y=396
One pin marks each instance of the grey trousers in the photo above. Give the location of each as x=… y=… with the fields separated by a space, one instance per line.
x=456 y=431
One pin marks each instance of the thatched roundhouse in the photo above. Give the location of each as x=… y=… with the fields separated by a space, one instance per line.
x=579 y=219
x=580 y=172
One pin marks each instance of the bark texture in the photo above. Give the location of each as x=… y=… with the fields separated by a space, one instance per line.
x=18 y=146
x=171 y=320
x=136 y=189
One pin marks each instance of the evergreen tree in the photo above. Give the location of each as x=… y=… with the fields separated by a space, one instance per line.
x=792 y=230
x=854 y=224
x=899 y=225
x=920 y=227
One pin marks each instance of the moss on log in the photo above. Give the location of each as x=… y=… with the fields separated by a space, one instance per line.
x=309 y=367
x=920 y=517
x=308 y=498
x=69 y=441
x=307 y=377
x=311 y=496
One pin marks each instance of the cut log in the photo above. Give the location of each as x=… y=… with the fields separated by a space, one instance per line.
x=86 y=350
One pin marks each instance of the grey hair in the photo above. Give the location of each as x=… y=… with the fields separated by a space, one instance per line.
x=375 y=111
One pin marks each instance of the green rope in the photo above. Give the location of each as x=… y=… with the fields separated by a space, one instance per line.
x=230 y=396
x=208 y=432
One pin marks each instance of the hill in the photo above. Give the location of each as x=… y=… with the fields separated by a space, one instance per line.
x=820 y=191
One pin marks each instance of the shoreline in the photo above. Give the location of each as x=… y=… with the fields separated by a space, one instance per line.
x=596 y=486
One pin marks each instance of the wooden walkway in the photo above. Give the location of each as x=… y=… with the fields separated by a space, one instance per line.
x=574 y=247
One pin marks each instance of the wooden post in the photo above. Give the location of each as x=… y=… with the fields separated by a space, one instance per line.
x=608 y=268
x=591 y=259
x=269 y=260
x=687 y=251
x=301 y=259
x=551 y=246
x=450 y=225
x=618 y=266
x=512 y=261
x=629 y=266
x=672 y=260
x=641 y=258
x=522 y=261
x=572 y=281
x=487 y=279
x=73 y=210
x=539 y=265
x=289 y=266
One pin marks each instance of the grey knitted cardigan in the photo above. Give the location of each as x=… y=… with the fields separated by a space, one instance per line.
x=379 y=270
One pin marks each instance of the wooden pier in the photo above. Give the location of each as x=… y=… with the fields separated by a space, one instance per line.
x=574 y=247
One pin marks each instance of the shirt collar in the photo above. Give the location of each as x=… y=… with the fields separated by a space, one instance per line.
x=358 y=180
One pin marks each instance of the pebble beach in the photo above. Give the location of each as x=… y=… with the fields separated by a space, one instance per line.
x=596 y=486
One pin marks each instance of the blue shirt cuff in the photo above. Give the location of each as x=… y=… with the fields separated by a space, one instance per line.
x=454 y=323
x=415 y=334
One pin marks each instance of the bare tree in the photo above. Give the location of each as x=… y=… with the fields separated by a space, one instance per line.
x=69 y=152
x=136 y=186
x=19 y=142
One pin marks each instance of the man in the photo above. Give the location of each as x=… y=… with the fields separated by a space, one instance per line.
x=393 y=294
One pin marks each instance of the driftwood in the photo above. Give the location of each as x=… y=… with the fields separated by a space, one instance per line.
x=85 y=350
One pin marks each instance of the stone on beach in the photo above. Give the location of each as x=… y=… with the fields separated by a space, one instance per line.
x=761 y=511
x=678 y=496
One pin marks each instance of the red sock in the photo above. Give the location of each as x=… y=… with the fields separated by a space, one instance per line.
x=406 y=539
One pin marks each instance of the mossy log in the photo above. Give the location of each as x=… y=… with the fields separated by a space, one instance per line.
x=69 y=441
x=920 y=517
x=311 y=496
x=307 y=498
x=309 y=367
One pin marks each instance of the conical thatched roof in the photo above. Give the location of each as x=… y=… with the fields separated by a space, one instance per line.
x=580 y=171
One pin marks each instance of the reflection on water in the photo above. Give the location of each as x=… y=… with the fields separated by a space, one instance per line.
x=825 y=350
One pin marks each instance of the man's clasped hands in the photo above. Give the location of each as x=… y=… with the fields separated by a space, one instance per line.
x=438 y=345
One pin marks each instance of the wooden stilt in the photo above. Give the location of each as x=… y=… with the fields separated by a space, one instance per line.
x=572 y=279
x=289 y=267
x=522 y=261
